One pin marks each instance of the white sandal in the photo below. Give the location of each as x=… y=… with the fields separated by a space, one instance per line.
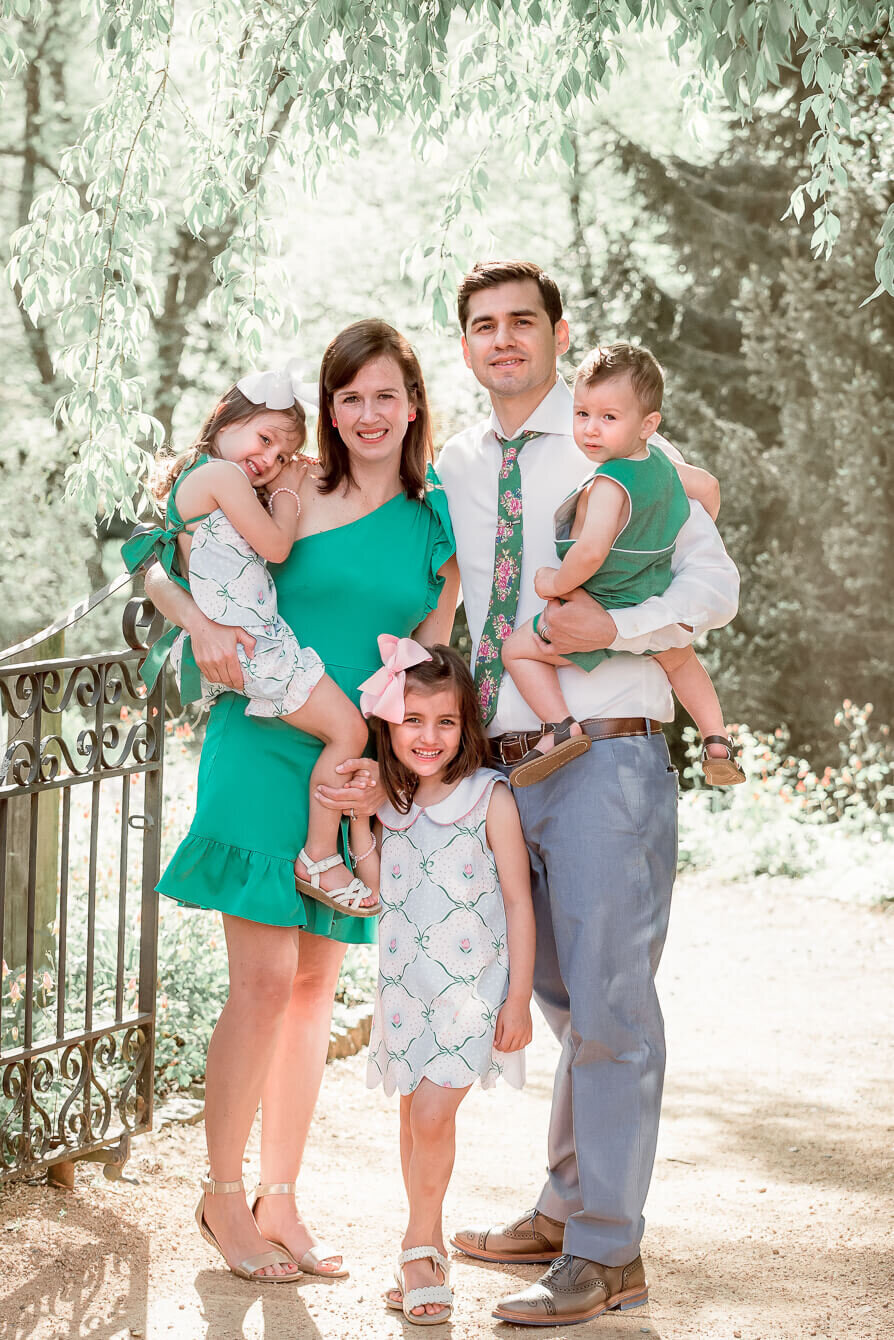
x=247 y=1269
x=314 y=1257
x=430 y=1293
x=346 y=899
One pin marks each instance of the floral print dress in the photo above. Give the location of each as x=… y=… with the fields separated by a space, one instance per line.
x=443 y=958
x=230 y=584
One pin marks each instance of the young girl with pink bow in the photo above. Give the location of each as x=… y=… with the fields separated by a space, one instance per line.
x=456 y=936
x=216 y=543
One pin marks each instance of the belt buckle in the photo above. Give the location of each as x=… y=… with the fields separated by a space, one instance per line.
x=510 y=742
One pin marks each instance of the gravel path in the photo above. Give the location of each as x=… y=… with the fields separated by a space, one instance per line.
x=771 y=1207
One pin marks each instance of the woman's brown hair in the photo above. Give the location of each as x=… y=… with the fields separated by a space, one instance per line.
x=232 y=408
x=445 y=670
x=350 y=351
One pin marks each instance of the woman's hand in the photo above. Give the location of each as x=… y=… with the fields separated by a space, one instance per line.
x=214 y=647
x=514 y=1029
x=363 y=792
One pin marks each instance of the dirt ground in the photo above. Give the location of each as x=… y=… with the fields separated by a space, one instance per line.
x=770 y=1213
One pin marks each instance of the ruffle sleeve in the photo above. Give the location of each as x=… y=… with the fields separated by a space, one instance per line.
x=441 y=538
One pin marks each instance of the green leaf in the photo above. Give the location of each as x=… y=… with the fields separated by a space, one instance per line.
x=834 y=58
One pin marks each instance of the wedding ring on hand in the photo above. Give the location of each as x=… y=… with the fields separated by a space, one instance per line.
x=351 y=814
x=543 y=631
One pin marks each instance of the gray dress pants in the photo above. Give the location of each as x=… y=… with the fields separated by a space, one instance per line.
x=602 y=837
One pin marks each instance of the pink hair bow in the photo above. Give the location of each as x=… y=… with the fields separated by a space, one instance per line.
x=383 y=692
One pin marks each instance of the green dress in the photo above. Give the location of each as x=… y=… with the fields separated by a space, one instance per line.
x=338 y=590
x=638 y=565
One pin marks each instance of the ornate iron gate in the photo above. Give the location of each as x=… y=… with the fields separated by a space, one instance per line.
x=80 y=799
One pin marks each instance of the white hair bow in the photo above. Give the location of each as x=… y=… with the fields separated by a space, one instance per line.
x=278 y=388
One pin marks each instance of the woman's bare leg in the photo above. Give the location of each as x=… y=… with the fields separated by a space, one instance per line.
x=330 y=716
x=292 y=1084
x=262 y=965
x=429 y=1143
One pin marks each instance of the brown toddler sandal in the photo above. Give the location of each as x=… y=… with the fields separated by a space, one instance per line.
x=537 y=765
x=721 y=771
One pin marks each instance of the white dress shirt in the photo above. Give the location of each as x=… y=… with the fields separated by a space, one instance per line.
x=703 y=593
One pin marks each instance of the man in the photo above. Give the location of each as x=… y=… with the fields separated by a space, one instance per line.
x=601 y=832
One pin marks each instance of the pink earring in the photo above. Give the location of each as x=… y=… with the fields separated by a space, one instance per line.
x=334 y=423
x=411 y=416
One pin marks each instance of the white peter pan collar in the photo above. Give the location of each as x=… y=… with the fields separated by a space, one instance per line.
x=461 y=801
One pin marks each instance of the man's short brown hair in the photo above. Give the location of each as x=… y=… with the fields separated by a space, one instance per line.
x=488 y=274
x=625 y=360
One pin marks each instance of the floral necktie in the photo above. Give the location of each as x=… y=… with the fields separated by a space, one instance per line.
x=504 y=593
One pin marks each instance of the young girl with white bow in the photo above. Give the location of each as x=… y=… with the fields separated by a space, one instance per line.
x=217 y=541
x=456 y=936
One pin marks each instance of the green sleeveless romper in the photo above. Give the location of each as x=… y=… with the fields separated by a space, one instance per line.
x=638 y=565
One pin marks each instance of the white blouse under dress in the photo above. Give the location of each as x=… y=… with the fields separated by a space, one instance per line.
x=443 y=958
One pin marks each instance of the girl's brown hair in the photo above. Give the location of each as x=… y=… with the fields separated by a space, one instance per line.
x=232 y=408
x=350 y=351
x=445 y=670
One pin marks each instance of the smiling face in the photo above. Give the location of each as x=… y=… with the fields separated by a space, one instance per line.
x=429 y=735
x=260 y=446
x=609 y=421
x=373 y=410
x=509 y=341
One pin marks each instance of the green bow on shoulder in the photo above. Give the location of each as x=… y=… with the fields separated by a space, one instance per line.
x=160 y=543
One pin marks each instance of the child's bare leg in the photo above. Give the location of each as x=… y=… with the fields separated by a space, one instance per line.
x=692 y=686
x=364 y=852
x=330 y=716
x=532 y=668
x=406 y=1154
x=428 y=1148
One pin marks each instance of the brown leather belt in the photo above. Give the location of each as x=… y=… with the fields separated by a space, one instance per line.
x=512 y=747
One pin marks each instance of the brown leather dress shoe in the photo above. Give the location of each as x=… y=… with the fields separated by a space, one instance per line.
x=532 y=1239
x=575 y=1290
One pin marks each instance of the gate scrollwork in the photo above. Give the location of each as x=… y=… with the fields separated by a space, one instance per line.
x=76 y=1061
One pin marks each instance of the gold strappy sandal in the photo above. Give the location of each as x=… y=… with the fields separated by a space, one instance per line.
x=314 y=1257
x=247 y=1269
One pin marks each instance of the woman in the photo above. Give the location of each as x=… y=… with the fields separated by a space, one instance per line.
x=374 y=554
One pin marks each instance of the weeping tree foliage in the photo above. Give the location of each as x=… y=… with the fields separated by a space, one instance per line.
x=161 y=199
x=777 y=380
